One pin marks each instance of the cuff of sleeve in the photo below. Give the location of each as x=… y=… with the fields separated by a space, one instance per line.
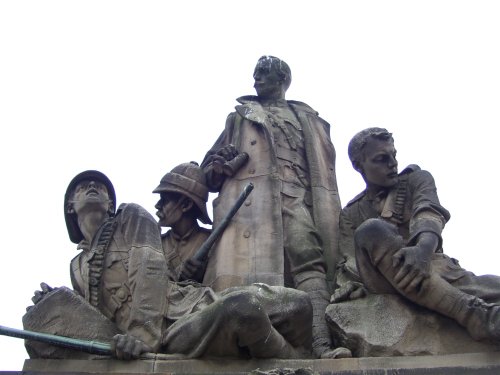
x=425 y=224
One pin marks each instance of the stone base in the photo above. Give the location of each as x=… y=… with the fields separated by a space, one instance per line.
x=456 y=364
x=389 y=325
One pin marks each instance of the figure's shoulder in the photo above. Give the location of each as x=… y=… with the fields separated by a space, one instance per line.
x=410 y=169
x=301 y=106
x=248 y=99
x=416 y=174
x=130 y=208
x=248 y=105
x=357 y=198
x=250 y=109
x=132 y=211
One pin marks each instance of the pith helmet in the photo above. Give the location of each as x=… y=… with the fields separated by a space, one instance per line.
x=187 y=179
x=75 y=235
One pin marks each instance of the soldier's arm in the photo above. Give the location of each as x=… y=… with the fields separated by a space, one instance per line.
x=221 y=152
x=147 y=274
x=426 y=224
x=427 y=213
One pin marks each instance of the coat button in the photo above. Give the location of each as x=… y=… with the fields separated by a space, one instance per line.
x=253 y=142
x=246 y=234
x=121 y=294
x=251 y=171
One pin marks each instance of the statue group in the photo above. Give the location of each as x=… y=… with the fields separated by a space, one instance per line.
x=287 y=256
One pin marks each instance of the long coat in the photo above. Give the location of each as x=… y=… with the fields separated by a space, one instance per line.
x=251 y=248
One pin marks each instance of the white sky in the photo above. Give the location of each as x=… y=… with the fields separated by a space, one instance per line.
x=133 y=88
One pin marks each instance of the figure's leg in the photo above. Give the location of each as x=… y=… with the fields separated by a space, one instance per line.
x=307 y=266
x=486 y=287
x=377 y=240
x=235 y=325
x=289 y=311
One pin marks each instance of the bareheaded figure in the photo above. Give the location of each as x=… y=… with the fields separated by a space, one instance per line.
x=183 y=198
x=121 y=269
x=391 y=241
x=286 y=232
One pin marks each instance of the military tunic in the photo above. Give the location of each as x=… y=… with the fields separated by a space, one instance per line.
x=412 y=207
x=129 y=283
x=179 y=249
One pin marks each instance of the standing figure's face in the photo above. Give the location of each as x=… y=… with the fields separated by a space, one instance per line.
x=169 y=209
x=379 y=167
x=268 y=81
x=91 y=195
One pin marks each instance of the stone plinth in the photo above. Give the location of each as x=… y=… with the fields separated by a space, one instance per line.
x=456 y=364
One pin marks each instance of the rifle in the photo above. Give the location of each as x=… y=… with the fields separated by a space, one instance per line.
x=202 y=252
x=92 y=347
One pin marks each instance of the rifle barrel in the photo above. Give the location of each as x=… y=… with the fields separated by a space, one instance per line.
x=93 y=347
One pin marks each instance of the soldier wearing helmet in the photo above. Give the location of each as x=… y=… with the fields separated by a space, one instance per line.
x=120 y=270
x=183 y=197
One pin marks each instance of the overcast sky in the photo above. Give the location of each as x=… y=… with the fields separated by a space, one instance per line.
x=133 y=88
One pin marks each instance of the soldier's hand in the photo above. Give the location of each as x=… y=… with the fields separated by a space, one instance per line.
x=39 y=294
x=192 y=269
x=413 y=265
x=228 y=152
x=349 y=291
x=129 y=347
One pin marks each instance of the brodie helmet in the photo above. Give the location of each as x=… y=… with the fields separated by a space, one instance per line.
x=74 y=232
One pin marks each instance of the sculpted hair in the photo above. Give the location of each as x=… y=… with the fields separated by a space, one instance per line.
x=359 y=141
x=281 y=67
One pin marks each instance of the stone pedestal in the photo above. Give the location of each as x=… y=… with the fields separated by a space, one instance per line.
x=455 y=364
x=389 y=325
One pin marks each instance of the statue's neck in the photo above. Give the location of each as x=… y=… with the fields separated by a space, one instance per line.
x=90 y=223
x=184 y=226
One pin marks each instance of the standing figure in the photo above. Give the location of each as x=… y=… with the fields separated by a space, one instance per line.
x=391 y=241
x=183 y=200
x=286 y=232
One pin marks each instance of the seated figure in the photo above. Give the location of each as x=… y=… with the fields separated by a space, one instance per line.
x=390 y=237
x=122 y=274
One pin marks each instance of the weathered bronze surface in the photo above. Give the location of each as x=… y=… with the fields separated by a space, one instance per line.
x=126 y=294
x=391 y=240
x=260 y=290
x=284 y=233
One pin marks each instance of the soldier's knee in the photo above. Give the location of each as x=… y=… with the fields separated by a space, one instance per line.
x=374 y=231
x=243 y=308
x=296 y=305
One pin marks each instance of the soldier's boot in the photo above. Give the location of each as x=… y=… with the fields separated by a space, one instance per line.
x=322 y=344
x=376 y=243
x=481 y=319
